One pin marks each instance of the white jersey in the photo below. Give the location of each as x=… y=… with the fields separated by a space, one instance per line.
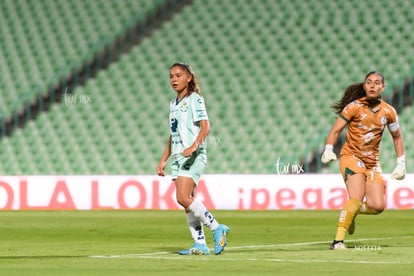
x=184 y=124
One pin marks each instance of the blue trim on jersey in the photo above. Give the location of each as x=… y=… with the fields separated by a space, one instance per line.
x=176 y=99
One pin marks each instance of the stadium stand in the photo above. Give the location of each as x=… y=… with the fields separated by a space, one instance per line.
x=43 y=41
x=269 y=71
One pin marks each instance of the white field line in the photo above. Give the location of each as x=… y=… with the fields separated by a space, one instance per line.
x=312 y=243
x=262 y=260
x=158 y=255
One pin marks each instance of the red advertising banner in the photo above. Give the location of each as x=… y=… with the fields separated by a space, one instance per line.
x=227 y=192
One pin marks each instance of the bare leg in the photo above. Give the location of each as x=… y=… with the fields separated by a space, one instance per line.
x=375 y=199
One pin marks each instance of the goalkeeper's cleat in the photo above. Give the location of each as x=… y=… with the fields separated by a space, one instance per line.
x=196 y=249
x=220 y=238
x=351 y=228
x=338 y=245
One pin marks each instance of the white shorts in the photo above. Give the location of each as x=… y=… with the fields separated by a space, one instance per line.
x=192 y=166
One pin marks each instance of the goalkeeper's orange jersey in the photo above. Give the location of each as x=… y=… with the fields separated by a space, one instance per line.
x=365 y=128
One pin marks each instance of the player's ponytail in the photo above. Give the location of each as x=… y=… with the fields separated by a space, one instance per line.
x=352 y=92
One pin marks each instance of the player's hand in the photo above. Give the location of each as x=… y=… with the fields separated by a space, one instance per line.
x=160 y=168
x=399 y=171
x=189 y=151
x=328 y=154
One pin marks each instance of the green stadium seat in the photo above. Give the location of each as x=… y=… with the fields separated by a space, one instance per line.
x=269 y=74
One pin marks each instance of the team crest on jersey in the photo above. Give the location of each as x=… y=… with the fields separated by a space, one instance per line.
x=383 y=120
x=360 y=164
x=184 y=107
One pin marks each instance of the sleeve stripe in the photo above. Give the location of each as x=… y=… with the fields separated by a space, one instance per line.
x=341 y=116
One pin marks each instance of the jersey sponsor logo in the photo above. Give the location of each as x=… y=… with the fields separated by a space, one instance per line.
x=369 y=153
x=174 y=124
x=201 y=113
x=368 y=137
x=363 y=116
x=179 y=142
x=361 y=126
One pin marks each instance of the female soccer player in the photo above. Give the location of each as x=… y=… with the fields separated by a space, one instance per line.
x=366 y=115
x=189 y=127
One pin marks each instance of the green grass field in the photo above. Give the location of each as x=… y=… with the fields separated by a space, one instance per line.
x=145 y=242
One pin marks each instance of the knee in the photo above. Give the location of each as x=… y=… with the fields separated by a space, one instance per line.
x=377 y=208
x=184 y=201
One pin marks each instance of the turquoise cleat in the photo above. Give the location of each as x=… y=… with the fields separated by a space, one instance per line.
x=196 y=249
x=220 y=238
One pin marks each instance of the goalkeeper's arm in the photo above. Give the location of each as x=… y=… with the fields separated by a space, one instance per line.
x=328 y=154
x=399 y=171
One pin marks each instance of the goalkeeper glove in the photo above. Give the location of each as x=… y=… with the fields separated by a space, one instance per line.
x=399 y=171
x=328 y=154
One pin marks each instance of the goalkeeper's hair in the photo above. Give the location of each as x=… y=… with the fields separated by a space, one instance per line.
x=354 y=92
x=193 y=85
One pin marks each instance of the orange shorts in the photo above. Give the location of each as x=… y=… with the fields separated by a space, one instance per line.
x=350 y=165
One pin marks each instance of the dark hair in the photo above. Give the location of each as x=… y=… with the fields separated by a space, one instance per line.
x=356 y=91
x=193 y=85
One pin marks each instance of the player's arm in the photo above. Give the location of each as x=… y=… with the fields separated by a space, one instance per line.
x=398 y=142
x=164 y=158
x=328 y=154
x=202 y=135
x=399 y=171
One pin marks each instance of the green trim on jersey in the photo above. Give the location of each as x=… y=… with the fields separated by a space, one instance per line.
x=342 y=116
x=348 y=171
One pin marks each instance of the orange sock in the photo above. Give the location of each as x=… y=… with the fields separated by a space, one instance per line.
x=345 y=219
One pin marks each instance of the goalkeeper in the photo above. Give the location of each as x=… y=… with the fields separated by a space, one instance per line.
x=366 y=115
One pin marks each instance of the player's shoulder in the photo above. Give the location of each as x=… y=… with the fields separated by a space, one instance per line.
x=388 y=110
x=387 y=106
x=358 y=102
x=195 y=97
x=352 y=107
